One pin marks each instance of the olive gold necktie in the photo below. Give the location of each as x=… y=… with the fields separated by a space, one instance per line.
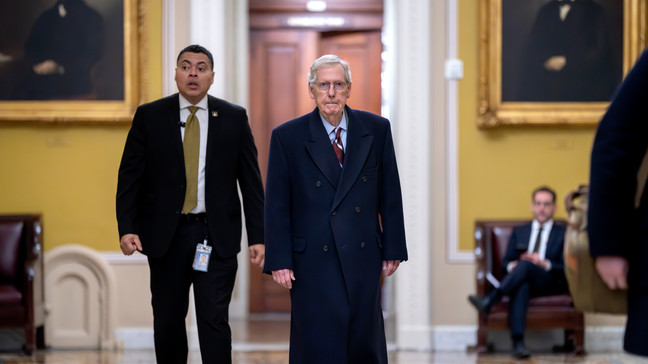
x=191 y=146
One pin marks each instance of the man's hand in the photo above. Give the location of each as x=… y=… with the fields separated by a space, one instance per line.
x=129 y=243
x=535 y=259
x=555 y=63
x=390 y=266
x=531 y=257
x=284 y=277
x=613 y=271
x=257 y=254
x=48 y=67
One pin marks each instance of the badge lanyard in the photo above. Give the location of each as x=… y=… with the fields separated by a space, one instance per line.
x=203 y=252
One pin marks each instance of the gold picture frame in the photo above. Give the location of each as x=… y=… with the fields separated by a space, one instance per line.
x=499 y=104
x=126 y=93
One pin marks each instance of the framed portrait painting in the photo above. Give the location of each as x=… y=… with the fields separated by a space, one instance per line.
x=547 y=62
x=70 y=60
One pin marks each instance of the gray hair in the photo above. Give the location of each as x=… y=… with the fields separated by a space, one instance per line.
x=327 y=60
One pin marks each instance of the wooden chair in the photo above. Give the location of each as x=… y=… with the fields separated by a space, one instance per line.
x=21 y=277
x=548 y=312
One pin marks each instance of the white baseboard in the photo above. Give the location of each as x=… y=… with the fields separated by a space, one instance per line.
x=460 y=337
x=134 y=338
x=420 y=338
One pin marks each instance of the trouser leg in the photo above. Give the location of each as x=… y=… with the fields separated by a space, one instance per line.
x=171 y=277
x=213 y=293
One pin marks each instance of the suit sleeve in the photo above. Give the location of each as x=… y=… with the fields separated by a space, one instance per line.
x=130 y=177
x=391 y=204
x=249 y=178
x=277 y=209
x=619 y=146
x=557 y=259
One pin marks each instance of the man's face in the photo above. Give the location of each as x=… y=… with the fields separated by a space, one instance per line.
x=193 y=76
x=543 y=206
x=330 y=102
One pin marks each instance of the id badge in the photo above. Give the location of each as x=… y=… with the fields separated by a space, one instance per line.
x=201 y=259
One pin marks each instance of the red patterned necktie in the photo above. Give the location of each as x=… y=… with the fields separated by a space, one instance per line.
x=337 y=146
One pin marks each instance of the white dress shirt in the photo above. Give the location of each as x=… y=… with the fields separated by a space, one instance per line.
x=203 y=119
x=544 y=238
x=330 y=129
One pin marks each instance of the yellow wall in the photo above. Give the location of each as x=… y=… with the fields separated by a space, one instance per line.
x=68 y=173
x=498 y=168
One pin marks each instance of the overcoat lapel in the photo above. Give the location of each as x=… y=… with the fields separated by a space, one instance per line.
x=358 y=145
x=321 y=151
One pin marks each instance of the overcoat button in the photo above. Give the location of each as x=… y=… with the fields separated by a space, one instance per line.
x=333 y=213
x=357 y=210
x=318 y=184
x=325 y=248
x=362 y=245
x=364 y=178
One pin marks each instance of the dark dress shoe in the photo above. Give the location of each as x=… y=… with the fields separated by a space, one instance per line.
x=482 y=304
x=519 y=351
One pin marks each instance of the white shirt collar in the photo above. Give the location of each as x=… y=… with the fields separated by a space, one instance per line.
x=184 y=103
x=329 y=128
x=545 y=227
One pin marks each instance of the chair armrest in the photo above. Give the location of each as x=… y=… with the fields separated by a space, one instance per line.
x=481 y=256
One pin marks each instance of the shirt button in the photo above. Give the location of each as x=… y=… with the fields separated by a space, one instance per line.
x=364 y=179
x=362 y=245
x=318 y=184
x=357 y=210
x=325 y=248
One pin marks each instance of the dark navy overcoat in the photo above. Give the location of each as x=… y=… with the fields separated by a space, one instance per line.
x=334 y=226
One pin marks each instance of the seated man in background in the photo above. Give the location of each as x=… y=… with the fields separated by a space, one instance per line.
x=533 y=264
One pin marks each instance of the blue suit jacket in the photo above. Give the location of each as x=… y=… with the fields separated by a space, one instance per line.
x=334 y=226
x=519 y=243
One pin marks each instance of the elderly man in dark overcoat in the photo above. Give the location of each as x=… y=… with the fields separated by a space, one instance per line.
x=334 y=222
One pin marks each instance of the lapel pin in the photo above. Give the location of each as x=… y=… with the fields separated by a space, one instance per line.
x=215 y=114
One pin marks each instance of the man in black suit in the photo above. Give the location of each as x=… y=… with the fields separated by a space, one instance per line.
x=64 y=45
x=571 y=55
x=617 y=214
x=534 y=266
x=165 y=212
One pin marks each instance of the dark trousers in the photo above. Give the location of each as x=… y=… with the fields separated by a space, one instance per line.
x=528 y=280
x=637 y=323
x=171 y=277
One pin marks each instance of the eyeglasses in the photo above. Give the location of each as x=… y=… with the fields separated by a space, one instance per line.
x=325 y=86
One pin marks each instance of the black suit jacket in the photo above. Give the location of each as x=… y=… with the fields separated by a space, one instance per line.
x=151 y=185
x=519 y=244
